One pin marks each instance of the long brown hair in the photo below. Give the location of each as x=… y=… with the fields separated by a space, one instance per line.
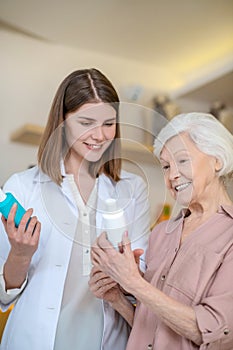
x=80 y=87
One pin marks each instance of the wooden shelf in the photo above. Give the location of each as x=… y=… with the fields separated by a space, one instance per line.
x=29 y=134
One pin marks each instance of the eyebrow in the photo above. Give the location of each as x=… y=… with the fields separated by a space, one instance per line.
x=174 y=154
x=93 y=119
x=181 y=150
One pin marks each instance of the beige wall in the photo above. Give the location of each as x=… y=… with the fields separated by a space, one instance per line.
x=31 y=71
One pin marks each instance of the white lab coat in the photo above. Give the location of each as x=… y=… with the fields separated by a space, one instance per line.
x=33 y=321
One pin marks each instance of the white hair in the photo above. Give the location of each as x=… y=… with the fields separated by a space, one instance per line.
x=208 y=134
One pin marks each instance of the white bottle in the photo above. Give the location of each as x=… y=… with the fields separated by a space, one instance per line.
x=114 y=223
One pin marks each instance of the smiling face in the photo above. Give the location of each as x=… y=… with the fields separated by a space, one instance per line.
x=90 y=131
x=190 y=175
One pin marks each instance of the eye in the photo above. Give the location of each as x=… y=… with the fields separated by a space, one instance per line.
x=86 y=123
x=182 y=161
x=109 y=124
x=165 y=167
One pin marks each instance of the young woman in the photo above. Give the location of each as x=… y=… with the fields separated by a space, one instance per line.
x=46 y=264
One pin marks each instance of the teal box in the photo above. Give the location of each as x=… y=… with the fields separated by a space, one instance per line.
x=6 y=205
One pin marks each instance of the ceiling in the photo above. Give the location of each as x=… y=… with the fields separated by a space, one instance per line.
x=217 y=90
x=189 y=38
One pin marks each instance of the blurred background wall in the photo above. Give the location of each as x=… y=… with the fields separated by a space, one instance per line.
x=169 y=56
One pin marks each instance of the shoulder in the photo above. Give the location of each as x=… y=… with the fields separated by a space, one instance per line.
x=125 y=178
x=129 y=186
x=165 y=230
x=128 y=176
x=159 y=229
x=22 y=180
x=132 y=183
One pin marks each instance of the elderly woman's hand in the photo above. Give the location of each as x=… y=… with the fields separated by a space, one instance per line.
x=120 y=266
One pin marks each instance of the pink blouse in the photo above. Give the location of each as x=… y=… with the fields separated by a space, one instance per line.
x=199 y=273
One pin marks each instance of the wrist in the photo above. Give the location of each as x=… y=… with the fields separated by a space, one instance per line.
x=133 y=284
x=15 y=270
x=18 y=259
x=124 y=307
x=117 y=300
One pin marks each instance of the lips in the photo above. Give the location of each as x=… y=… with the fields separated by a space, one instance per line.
x=182 y=187
x=93 y=146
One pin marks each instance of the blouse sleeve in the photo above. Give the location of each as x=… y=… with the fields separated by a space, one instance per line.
x=215 y=313
x=7 y=297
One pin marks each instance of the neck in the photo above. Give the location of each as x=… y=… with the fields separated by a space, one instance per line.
x=212 y=203
x=84 y=181
x=76 y=166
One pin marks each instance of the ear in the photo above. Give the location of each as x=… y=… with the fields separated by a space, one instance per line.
x=218 y=165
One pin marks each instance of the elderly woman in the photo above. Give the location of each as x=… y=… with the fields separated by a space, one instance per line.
x=185 y=298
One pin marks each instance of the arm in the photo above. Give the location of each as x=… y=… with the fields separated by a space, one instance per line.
x=123 y=269
x=105 y=288
x=215 y=312
x=179 y=317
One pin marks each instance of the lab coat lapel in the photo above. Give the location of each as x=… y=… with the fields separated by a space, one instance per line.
x=57 y=209
x=106 y=189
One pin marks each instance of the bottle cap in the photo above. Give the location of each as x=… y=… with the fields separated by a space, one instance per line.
x=2 y=195
x=111 y=205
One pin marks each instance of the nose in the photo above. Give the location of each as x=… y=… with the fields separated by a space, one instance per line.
x=174 y=172
x=98 y=134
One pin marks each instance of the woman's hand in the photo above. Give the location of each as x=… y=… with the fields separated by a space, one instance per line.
x=24 y=239
x=120 y=266
x=103 y=287
x=24 y=242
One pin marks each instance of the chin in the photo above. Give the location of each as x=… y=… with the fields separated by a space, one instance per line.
x=94 y=156
x=184 y=201
x=93 y=159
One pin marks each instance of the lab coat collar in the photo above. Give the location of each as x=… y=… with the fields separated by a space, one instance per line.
x=41 y=177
